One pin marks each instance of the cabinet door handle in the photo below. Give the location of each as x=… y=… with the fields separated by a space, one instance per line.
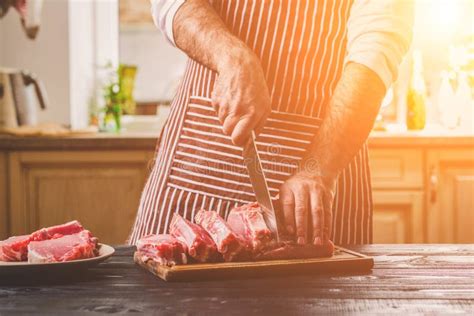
x=433 y=185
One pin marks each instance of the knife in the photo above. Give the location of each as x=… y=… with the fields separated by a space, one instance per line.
x=259 y=184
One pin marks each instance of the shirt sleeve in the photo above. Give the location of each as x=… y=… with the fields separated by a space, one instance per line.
x=163 y=12
x=379 y=33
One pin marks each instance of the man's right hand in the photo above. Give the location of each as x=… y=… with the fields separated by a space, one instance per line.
x=241 y=96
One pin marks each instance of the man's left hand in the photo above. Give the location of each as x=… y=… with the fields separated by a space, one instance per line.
x=306 y=197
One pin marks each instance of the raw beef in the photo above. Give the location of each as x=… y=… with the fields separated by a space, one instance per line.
x=199 y=243
x=228 y=243
x=81 y=245
x=68 y=228
x=290 y=250
x=164 y=249
x=248 y=223
x=14 y=248
x=244 y=236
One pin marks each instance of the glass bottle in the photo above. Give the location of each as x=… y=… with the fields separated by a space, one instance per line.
x=416 y=95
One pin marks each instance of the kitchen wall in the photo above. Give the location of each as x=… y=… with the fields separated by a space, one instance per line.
x=47 y=56
x=76 y=36
x=438 y=25
x=93 y=42
x=160 y=65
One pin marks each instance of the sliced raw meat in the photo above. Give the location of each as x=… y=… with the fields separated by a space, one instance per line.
x=228 y=243
x=14 y=248
x=199 y=243
x=248 y=223
x=66 y=248
x=68 y=228
x=294 y=251
x=164 y=249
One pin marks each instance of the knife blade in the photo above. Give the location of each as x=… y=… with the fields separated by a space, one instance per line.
x=259 y=184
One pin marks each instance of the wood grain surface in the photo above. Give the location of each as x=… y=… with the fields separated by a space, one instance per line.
x=343 y=260
x=406 y=279
x=147 y=141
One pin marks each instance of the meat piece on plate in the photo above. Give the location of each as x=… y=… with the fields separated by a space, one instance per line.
x=66 y=248
x=14 y=248
x=248 y=223
x=228 y=243
x=289 y=250
x=68 y=228
x=200 y=245
x=163 y=248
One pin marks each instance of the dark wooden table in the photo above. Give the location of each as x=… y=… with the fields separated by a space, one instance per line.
x=406 y=279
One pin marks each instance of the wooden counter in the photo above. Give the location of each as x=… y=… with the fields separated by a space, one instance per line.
x=99 y=141
x=148 y=141
x=406 y=279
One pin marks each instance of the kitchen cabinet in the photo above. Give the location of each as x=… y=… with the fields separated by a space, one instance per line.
x=396 y=168
x=450 y=202
x=423 y=194
x=101 y=189
x=3 y=196
x=397 y=183
x=398 y=217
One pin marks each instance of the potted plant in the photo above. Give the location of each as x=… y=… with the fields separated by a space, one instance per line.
x=118 y=96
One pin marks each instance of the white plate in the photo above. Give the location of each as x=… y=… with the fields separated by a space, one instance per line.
x=25 y=268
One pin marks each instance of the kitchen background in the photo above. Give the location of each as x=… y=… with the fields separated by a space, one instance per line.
x=89 y=153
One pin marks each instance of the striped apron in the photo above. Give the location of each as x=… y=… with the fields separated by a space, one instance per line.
x=301 y=45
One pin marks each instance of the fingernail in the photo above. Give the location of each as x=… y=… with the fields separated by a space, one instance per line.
x=317 y=241
x=301 y=241
x=290 y=230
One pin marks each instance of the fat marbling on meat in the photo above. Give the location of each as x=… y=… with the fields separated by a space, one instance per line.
x=163 y=249
x=81 y=245
x=229 y=244
x=200 y=245
x=248 y=223
x=16 y=248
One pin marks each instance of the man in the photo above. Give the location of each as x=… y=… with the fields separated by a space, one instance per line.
x=308 y=77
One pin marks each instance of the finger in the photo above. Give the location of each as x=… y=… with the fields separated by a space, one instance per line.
x=327 y=228
x=222 y=113
x=216 y=97
x=301 y=215
x=287 y=202
x=242 y=130
x=229 y=124
x=317 y=216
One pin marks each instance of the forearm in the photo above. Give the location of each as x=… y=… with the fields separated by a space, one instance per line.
x=203 y=36
x=349 y=119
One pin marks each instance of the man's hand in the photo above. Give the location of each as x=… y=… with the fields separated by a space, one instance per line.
x=306 y=200
x=241 y=97
x=349 y=119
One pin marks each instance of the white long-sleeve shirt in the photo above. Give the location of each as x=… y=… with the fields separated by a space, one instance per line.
x=378 y=32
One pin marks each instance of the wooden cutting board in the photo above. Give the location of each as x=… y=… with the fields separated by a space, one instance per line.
x=343 y=261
